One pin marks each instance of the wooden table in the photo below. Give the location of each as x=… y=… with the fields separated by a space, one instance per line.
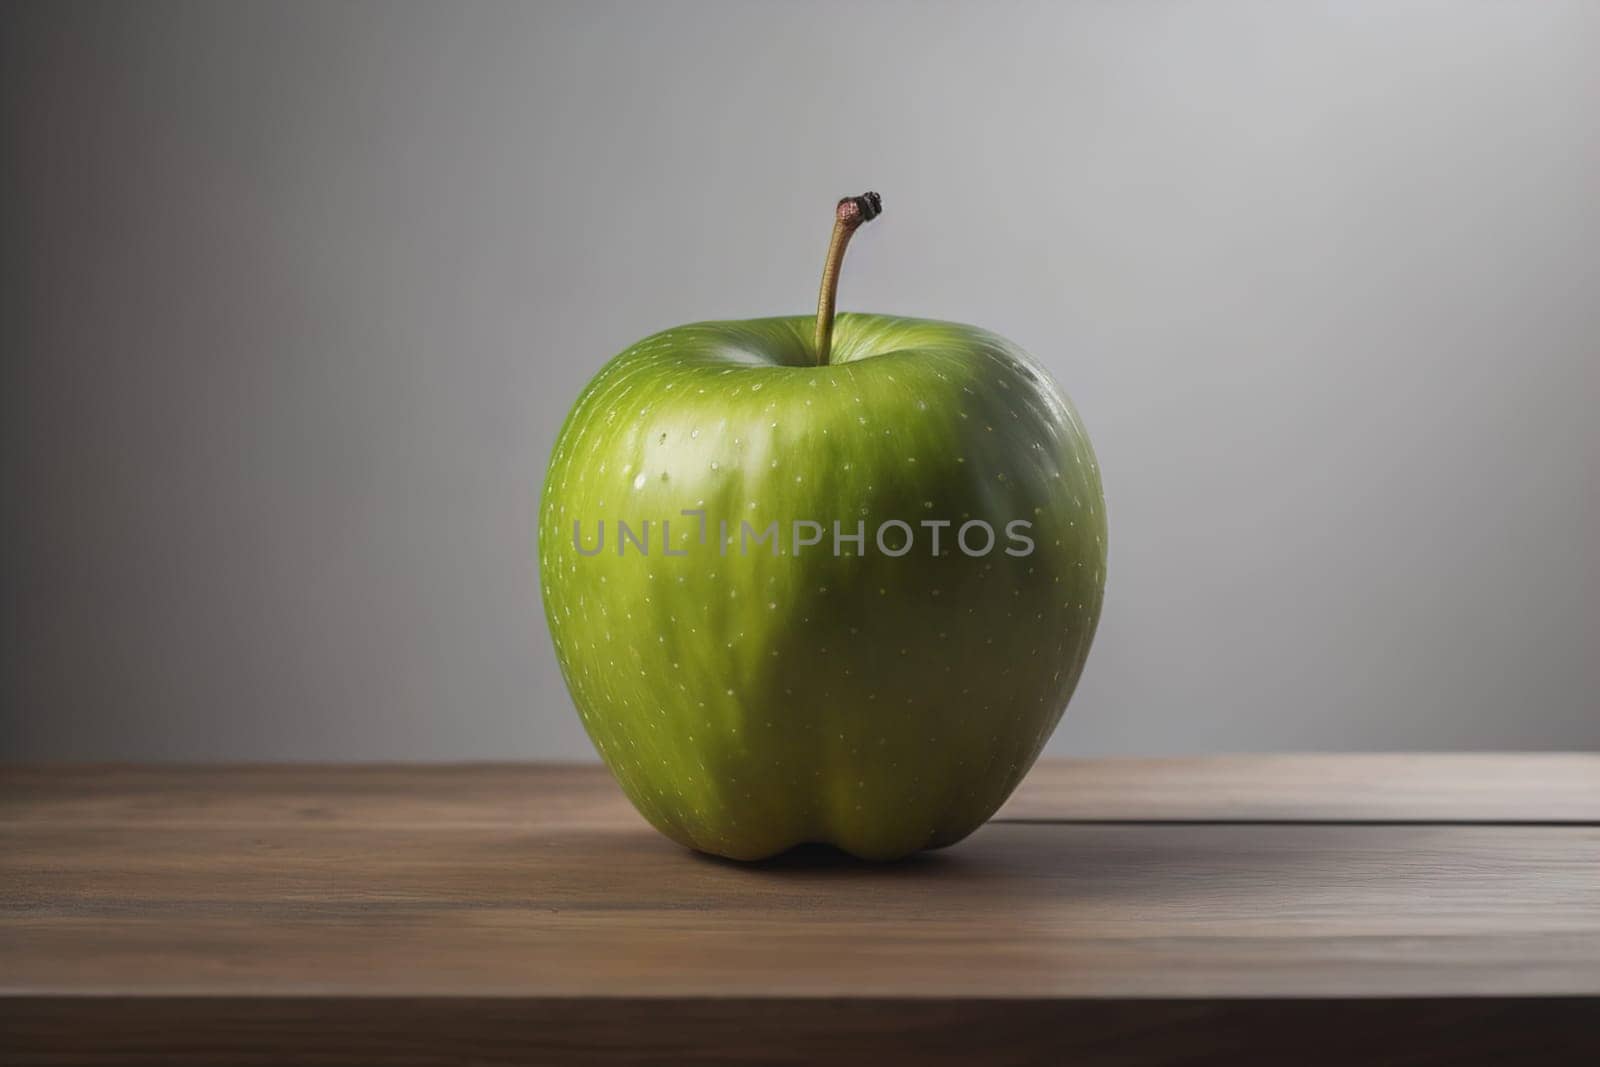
x=1295 y=909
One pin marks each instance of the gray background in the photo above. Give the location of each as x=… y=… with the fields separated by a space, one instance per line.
x=296 y=296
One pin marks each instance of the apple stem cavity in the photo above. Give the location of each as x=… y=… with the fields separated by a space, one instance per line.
x=848 y=217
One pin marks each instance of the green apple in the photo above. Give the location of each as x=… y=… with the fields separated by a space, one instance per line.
x=773 y=598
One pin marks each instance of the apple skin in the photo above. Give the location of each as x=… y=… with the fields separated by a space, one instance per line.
x=880 y=704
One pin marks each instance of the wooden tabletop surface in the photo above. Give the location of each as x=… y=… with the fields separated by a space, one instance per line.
x=1115 y=910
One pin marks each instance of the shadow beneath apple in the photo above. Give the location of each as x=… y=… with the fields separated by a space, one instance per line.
x=811 y=858
x=1035 y=868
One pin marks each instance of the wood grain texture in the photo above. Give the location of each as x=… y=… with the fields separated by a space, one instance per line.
x=306 y=905
x=1555 y=787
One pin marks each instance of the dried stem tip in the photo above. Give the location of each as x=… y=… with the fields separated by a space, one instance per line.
x=854 y=210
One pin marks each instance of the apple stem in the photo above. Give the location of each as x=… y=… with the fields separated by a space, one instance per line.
x=848 y=216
